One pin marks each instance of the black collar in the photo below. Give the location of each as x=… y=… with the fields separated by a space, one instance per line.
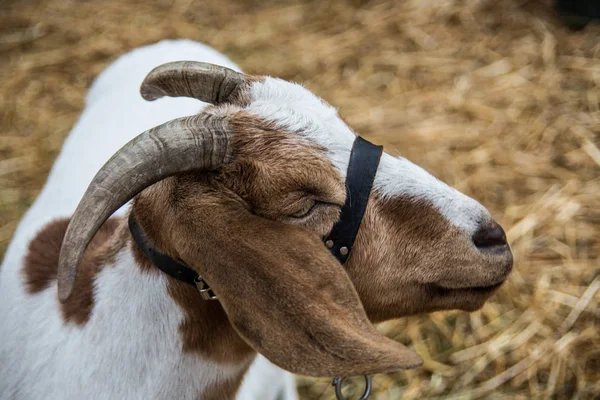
x=167 y=264
x=360 y=176
x=362 y=168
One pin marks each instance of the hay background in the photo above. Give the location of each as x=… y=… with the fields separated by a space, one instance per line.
x=495 y=97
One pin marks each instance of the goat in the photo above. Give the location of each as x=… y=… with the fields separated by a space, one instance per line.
x=243 y=191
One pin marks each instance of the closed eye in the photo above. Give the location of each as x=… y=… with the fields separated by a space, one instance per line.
x=312 y=207
x=306 y=210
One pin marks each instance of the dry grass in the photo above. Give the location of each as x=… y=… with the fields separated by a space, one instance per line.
x=496 y=98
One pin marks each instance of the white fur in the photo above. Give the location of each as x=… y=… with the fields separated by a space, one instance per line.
x=293 y=107
x=130 y=348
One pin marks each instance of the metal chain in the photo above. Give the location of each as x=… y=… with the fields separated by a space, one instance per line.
x=337 y=382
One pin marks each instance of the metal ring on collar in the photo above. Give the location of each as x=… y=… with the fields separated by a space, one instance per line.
x=337 y=382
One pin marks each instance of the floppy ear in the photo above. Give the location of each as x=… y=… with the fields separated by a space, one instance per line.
x=285 y=294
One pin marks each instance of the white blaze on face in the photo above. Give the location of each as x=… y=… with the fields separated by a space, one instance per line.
x=296 y=109
x=399 y=177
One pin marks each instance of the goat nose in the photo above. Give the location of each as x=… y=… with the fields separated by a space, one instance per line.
x=488 y=236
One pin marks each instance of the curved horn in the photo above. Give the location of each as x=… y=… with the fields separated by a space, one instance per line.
x=184 y=144
x=207 y=82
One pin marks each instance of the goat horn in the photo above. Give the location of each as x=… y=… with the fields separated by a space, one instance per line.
x=199 y=142
x=207 y=82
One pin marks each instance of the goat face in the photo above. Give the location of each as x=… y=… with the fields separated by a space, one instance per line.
x=422 y=246
x=251 y=216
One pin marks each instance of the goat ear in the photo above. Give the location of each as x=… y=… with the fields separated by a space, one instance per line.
x=286 y=295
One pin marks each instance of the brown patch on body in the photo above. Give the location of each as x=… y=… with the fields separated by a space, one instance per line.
x=41 y=261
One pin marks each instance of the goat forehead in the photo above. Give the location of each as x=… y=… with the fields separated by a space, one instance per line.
x=296 y=109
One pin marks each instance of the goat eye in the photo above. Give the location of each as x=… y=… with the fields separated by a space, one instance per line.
x=305 y=210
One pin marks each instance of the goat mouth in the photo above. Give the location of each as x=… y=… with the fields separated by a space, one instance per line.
x=484 y=289
x=469 y=289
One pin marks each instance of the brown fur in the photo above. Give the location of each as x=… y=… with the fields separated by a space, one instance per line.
x=418 y=261
x=40 y=266
x=284 y=293
x=271 y=176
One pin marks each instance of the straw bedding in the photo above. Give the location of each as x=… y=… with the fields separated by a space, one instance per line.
x=498 y=99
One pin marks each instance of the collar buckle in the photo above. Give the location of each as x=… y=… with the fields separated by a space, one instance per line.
x=205 y=291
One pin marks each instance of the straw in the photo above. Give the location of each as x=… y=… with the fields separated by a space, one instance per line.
x=497 y=98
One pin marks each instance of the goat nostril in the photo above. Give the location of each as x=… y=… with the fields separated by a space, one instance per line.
x=490 y=236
